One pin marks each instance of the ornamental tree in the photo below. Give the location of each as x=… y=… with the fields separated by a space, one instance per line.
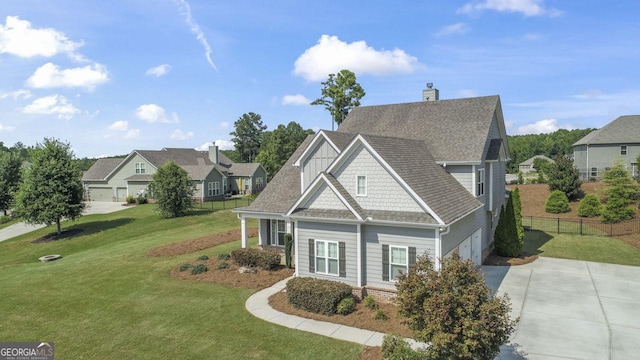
x=172 y=190
x=565 y=177
x=52 y=188
x=340 y=94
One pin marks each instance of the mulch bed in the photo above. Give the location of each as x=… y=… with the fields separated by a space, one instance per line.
x=497 y=260
x=55 y=237
x=205 y=242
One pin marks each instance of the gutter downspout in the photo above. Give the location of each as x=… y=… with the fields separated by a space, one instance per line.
x=439 y=234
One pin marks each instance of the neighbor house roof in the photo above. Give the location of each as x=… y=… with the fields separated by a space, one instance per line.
x=623 y=130
x=454 y=130
x=529 y=161
x=101 y=168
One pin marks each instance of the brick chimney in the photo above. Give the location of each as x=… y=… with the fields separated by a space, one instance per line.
x=213 y=154
x=430 y=94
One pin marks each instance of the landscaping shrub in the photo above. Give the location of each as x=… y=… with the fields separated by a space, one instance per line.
x=141 y=200
x=266 y=259
x=380 y=315
x=130 y=199
x=224 y=256
x=507 y=239
x=316 y=295
x=185 y=267
x=223 y=265
x=589 y=206
x=557 y=203
x=397 y=348
x=288 y=244
x=203 y=257
x=616 y=209
x=369 y=302
x=346 y=306
x=4 y=219
x=199 y=269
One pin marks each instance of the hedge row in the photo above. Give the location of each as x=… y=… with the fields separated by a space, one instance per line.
x=316 y=295
x=253 y=257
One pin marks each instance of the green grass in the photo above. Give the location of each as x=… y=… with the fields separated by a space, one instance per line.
x=107 y=300
x=588 y=248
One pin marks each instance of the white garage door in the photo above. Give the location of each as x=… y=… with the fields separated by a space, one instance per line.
x=465 y=249
x=100 y=194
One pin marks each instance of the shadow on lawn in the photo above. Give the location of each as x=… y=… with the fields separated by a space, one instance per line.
x=534 y=240
x=83 y=229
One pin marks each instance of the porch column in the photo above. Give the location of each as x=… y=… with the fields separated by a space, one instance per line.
x=359 y=254
x=295 y=246
x=243 y=229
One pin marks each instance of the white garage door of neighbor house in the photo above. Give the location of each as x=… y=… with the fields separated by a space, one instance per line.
x=471 y=247
x=465 y=249
x=122 y=194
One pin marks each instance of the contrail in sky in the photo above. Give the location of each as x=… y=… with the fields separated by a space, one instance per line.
x=195 y=29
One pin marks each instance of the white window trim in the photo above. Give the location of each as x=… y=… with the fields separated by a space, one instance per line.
x=366 y=185
x=406 y=258
x=213 y=188
x=326 y=257
x=140 y=168
x=275 y=232
x=625 y=150
x=480 y=180
x=259 y=180
x=224 y=184
x=591 y=171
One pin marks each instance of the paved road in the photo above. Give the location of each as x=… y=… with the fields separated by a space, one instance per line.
x=93 y=207
x=571 y=309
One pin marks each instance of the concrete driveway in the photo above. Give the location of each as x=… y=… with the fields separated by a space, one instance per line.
x=571 y=309
x=92 y=207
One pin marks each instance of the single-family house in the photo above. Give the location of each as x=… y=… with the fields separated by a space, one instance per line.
x=393 y=182
x=597 y=151
x=526 y=166
x=113 y=179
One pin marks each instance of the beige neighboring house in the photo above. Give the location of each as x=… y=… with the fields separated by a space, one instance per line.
x=526 y=166
x=214 y=175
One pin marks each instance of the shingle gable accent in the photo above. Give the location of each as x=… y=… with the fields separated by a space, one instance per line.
x=336 y=140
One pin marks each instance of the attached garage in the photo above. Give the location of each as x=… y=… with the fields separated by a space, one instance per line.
x=121 y=194
x=100 y=194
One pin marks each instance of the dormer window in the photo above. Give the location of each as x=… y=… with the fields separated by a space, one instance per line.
x=361 y=185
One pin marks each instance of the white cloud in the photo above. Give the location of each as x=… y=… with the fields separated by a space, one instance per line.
x=15 y=95
x=222 y=145
x=153 y=113
x=52 y=105
x=466 y=93
x=159 y=70
x=119 y=126
x=18 y=38
x=296 y=99
x=545 y=126
x=224 y=125
x=51 y=76
x=6 y=128
x=178 y=134
x=330 y=55
x=454 y=29
x=526 y=7
x=195 y=29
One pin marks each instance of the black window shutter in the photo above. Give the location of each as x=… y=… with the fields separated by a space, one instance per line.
x=342 y=259
x=312 y=256
x=385 y=262
x=412 y=256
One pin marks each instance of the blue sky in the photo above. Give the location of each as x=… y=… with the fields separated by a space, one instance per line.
x=113 y=76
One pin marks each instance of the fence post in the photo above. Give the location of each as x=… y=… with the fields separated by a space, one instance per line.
x=611 y=231
x=580 y=227
x=558 y=225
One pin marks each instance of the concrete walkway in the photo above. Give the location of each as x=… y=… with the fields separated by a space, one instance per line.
x=568 y=309
x=91 y=208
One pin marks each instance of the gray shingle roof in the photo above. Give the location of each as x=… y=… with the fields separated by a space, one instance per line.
x=529 y=161
x=101 y=168
x=439 y=190
x=623 y=130
x=455 y=130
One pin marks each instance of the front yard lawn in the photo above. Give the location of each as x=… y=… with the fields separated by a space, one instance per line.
x=106 y=299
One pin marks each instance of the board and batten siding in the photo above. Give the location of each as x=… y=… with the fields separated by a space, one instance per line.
x=375 y=236
x=324 y=198
x=383 y=191
x=462 y=229
x=330 y=232
x=464 y=174
x=318 y=161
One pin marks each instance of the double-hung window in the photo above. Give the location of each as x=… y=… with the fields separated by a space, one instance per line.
x=327 y=257
x=480 y=182
x=398 y=261
x=623 y=150
x=140 y=168
x=594 y=171
x=213 y=188
x=278 y=229
x=361 y=185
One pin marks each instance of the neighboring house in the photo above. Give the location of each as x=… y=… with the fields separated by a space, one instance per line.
x=393 y=182
x=213 y=174
x=597 y=151
x=526 y=166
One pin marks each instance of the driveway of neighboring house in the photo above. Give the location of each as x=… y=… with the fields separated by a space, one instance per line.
x=93 y=207
x=571 y=309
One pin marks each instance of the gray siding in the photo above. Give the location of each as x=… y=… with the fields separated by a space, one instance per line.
x=464 y=175
x=376 y=235
x=498 y=186
x=324 y=198
x=603 y=157
x=318 y=161
x=332 y=232
x=462 y=229
x=383 y=191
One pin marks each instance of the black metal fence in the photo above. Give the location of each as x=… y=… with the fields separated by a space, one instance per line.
x=231 y=203
x=580 y=226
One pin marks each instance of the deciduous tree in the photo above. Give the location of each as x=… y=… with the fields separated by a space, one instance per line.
x=10 y=177
x=172 y=190
x=340 y=94
x=279 y=144
x=52 y=188
x=248 y=136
